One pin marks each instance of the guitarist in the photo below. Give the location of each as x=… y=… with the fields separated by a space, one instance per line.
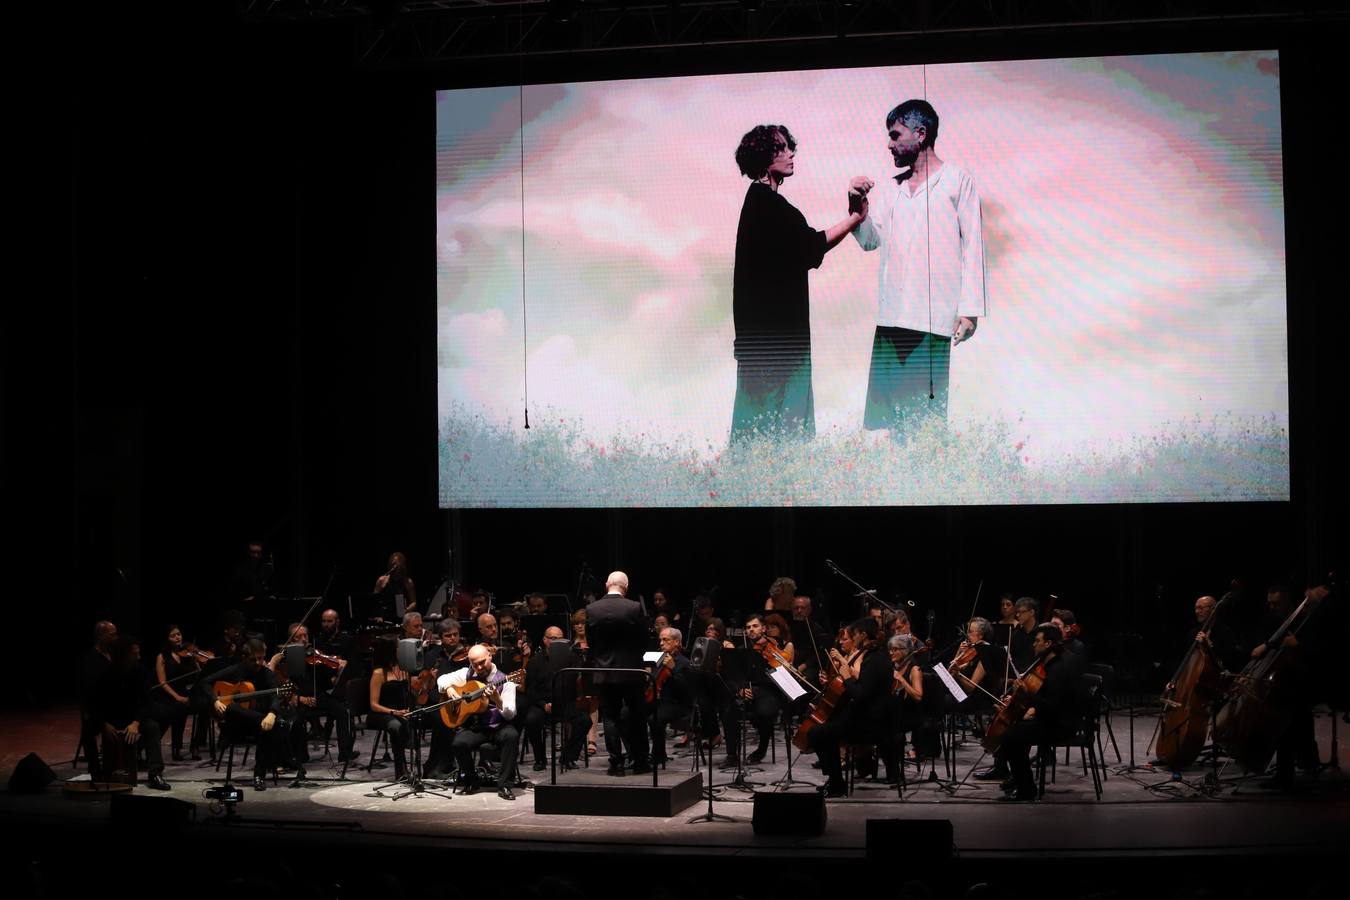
x=261 y=721
x=495 y=725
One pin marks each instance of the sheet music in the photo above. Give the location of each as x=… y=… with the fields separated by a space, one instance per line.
x=945 y=677
x=787 y=684
x=653 y=656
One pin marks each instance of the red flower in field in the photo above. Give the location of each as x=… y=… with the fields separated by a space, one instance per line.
x=712 y=495
x=1019 y=446
x=466 y=457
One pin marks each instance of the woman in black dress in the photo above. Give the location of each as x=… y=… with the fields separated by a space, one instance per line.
x=775 y=249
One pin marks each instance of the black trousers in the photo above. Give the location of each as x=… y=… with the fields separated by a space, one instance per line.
x=621 y=730
x=763 y=709
x=663 y=714
x=467 y=741
x=537 y=724
x=827 y=738
x=324 y=705
x=171 y=713
x=1015 y=752
x=272 y=745
x=400 y=733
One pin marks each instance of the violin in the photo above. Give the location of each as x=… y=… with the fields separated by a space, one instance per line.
x=663 y=673
x=768 y=648
x=964 y=657
x=191 y=652
x=315 y=658
x=420 y=685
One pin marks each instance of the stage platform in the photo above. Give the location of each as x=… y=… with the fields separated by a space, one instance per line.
x=1142 y=815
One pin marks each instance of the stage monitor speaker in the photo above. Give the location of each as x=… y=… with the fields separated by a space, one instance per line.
x=926 y=839
x=30 y=776
x=295 y=655
x=138 y=812
x=410 y=655
x=789 y=812
x=703 y=654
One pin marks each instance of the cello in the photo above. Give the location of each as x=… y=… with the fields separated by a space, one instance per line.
x=1189 y=699
x=1259 y=705
x=824 y=706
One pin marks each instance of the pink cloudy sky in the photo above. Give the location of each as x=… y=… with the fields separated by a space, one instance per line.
x=1133 y=217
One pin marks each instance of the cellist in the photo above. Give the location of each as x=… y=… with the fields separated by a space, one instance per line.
x=864 y=709
x=1052 y=704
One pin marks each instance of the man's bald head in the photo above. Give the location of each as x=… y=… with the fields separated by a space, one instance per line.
x=617 y=583
x=479 y=655
x=553 y=633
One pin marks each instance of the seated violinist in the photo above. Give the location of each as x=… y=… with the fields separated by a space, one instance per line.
x=906 y=695
x=317 y=693
x=761 y=697
x=256 y=718
x=674 y=692
x=176 y=668
x=1046 y=708
x=450 y=654
x=979 y=665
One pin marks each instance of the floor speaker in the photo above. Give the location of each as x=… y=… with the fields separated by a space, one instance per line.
x=926 y=839
x=30 y=775
x=799 y=813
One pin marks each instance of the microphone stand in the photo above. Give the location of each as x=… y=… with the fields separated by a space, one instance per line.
x=413 y=779
x=862 y=591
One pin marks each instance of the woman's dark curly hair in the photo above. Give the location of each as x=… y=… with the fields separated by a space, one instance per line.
x=759 y=146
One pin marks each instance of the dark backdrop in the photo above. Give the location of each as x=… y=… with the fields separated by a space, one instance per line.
x=229 y=332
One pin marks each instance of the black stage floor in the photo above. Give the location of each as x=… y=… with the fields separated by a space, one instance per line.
x=1143 y=814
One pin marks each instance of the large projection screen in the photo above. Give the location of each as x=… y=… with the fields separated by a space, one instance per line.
x=1117 y=224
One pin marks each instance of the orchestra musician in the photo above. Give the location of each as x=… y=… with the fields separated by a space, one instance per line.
x=674 y=693
x=541 y=709
x=537 y=604
x=122 y=710
x=585 y=689
x=413 y=630
x=316 y=695
x=1222 y=640
x=175 y=668
x=390 y=701
x=1019 y=642
x=332 y=640
x=1007 y=619
x=1072 y=645
x=496 y=725
x=810 y=639
x=1049 y=706
x=979 y=665
x=261 y=721
x=450 y=653
x=864 y=707
x=760 y=696
x=906 y=696
x=393 y=586
x=93 y=667
x=1297 y=744
x=781 y=594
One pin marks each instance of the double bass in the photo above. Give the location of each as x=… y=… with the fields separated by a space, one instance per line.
x=1260 y=703
x=1189 y=699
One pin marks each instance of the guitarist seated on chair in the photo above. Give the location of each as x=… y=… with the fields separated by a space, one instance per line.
x=494 y=723
x=254 y=717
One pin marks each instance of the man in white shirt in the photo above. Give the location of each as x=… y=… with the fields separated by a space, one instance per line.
x=926 y=223
x=495 y=725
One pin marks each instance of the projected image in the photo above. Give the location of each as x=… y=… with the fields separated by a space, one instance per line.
x=1049 y=281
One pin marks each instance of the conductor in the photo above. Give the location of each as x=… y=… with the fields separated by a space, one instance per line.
x=617 y=631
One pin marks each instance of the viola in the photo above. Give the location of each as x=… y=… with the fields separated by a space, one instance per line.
x=191 y=652
x=420 y=685
x=1188 y=699
x=663 y=673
